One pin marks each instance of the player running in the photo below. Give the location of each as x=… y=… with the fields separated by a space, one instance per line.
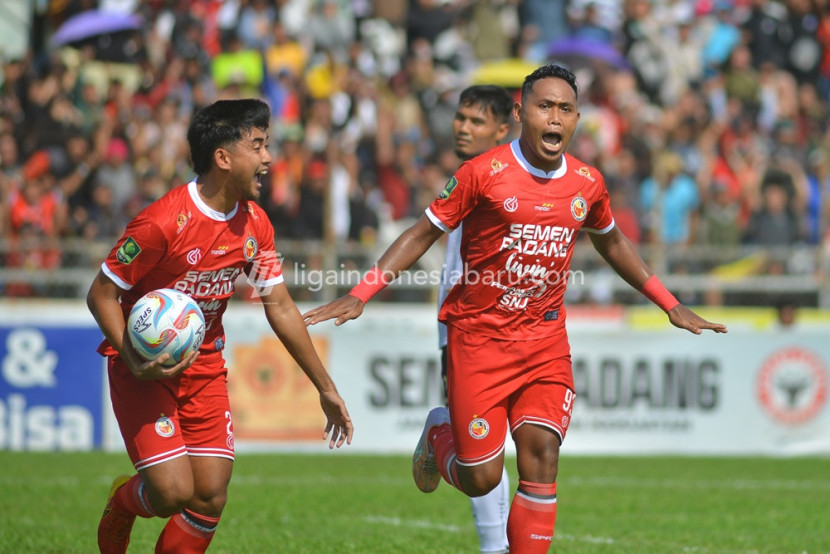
x=509 y=363
x=176 y=422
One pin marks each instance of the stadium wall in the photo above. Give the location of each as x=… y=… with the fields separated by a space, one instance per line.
x=642 y=386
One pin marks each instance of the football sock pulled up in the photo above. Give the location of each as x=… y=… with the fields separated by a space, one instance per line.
x=132 y=498
x=532 y=518
x=186 y=533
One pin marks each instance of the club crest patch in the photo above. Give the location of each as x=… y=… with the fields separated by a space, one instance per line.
x=579 y=208
x=128 y=252
x=165 y=427
x=250 y=249
x=451 y=184
x=479 y=428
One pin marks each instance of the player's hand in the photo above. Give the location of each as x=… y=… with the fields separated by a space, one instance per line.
x=149 y=371
x=341 y=310
x=684 y=318
x=339 y=428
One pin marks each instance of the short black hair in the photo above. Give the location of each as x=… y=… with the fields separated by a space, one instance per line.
x=547 y=71
x=221 y=124
x=494 y=99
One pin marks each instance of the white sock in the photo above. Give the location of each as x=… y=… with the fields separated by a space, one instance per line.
x=490 y=516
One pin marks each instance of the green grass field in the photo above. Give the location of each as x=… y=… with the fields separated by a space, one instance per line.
x=337 y=502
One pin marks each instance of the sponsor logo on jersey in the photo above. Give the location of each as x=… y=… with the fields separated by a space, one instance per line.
x=479 y=428
x=511 y=204
x=496 y=166
x=221 y=251
x=565 y=421
x=194 y=256
x=250 y=248
x=585 y=172
x=219 y=344
x=579 y=208
x=451 y=184
x=181 y=222
x=128 y=252
x=165 y=427
x=546 y=207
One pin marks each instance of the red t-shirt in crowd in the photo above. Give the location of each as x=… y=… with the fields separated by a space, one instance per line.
x=520 y=227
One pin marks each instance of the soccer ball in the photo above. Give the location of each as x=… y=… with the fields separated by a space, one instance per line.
x=166 y=321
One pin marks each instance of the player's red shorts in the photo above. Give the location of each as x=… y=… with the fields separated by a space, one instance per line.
x=495 y=382
x=167 y=418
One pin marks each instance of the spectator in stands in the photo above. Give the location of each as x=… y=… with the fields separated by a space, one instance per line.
x=671 y=198
x=310 y=220
x=773 y=223
x=720 y=217
x=117 y=174
x=36 y=216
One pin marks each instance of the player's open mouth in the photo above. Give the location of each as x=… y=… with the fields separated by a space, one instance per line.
x=259 y=175
x=553 y=141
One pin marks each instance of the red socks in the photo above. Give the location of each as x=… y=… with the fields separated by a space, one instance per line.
x=131 y=497
x=443 y=449
x=186 y=533
x=532 y=518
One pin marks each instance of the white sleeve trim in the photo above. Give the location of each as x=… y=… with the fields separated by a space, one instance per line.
x=437 y=222
x=115 y=278
x=602 y=231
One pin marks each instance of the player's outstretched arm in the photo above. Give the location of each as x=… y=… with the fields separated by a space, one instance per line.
x=102 y=300
x=287 y=323
x=621 y=255
x=400 y=256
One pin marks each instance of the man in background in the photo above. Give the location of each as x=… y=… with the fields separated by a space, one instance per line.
x=481 y=122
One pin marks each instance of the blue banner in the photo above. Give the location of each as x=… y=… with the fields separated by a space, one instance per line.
x=51 y=388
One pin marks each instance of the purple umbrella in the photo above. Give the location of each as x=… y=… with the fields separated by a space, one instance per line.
x=93 y=23
x=581 y=49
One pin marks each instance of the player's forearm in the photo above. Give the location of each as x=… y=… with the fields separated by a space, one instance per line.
x=400 y=256
x=288 y=324
x=102 y=302
x=621 y=255
x=623 y=258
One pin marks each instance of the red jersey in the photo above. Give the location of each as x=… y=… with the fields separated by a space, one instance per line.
x=520 y=226
x=179 y=242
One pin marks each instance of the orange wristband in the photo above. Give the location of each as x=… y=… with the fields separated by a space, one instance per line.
x=654 y=290
x=371 y=284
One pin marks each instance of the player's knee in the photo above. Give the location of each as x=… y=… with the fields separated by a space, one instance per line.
x=479 y=480
x=209 y=502
x=171 y=496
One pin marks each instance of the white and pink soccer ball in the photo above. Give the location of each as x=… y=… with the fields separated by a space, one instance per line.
x=166 y=321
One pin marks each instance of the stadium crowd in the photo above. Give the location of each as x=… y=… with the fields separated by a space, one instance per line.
x=709 y=118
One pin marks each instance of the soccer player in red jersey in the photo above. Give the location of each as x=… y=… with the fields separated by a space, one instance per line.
x=176 y=421
x=509 y=362
x=482 y=121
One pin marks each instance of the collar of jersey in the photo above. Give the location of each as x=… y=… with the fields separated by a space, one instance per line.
x=535 y=171
x=193 y=190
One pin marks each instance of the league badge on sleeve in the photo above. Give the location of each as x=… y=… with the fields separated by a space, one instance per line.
x=128 y=252
x=451 y=184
